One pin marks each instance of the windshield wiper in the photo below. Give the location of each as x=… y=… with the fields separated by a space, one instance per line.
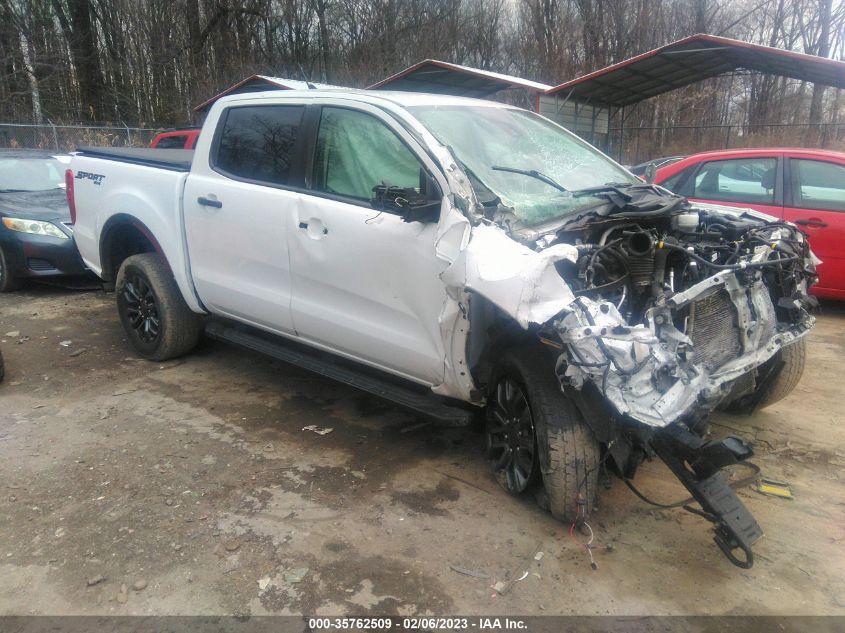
x=620 y=188
x=533 y=173
x=13 y=190
x=610 y=187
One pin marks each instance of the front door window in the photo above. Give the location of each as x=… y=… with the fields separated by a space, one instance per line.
x=356 y=153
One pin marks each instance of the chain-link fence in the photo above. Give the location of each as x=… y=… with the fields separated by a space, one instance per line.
x=69 y=137
x=638 y=144
x=630 y=145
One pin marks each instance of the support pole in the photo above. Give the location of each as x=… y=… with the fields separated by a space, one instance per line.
x=55 y=135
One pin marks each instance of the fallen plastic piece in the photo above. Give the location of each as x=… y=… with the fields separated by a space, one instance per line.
x=501 y=587
x=774 y=488
x=295 y=576
x=316 y=429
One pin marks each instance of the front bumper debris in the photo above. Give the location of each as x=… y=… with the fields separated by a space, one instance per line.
x=697 y=464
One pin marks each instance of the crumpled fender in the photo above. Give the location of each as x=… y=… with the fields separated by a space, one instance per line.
x=523 y=283
x=482 y=258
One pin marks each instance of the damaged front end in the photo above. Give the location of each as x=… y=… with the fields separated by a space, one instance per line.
x=658 y=311
x=675 y=314
x=682 y=360
x=661 y=312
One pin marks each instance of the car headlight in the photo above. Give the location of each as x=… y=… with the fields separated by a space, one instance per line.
x=36 y=227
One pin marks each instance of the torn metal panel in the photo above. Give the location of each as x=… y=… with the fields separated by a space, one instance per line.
x=522 y=282
x=646 y=371
x=622 y=360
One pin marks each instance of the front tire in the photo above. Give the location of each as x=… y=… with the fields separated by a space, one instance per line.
x=794 y=358
x=8 y=281
x=159 y=323
x=567 y=453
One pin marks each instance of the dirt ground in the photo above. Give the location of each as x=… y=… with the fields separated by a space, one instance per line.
x=194 y=487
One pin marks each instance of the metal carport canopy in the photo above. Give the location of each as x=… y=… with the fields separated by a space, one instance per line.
x=690 y=60
x=434 y=76
x=259 y=83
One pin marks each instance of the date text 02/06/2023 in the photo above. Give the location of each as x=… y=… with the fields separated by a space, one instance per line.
x=418 y=624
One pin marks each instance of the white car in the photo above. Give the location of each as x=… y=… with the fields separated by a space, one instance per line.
x=454 y=255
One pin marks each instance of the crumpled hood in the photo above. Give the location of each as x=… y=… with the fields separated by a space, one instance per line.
x=49 y=205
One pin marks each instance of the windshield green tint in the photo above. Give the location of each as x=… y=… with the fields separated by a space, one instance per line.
x=483 y=137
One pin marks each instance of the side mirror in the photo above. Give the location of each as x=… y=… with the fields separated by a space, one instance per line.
x=429 y=187
x=414 y=205
x=650 y=173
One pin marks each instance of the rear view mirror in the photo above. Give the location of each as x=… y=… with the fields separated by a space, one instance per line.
x=414 y=205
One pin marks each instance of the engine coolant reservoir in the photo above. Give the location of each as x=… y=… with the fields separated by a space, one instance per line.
x=686 y=222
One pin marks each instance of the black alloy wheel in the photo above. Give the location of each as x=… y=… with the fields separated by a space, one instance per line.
x=158 y=322
x=511 y=437
x=141 y=308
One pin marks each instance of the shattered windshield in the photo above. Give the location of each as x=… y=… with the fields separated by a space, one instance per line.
x=489 y=139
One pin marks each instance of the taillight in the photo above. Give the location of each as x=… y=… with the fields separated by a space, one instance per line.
x=71 y=199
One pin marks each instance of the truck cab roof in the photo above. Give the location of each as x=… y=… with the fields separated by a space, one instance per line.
x=394 y=97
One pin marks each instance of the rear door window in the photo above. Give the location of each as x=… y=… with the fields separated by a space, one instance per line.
x=259 y=143
x=356 y=153
x=818 y=185
x=172 y=142
x=750 y=180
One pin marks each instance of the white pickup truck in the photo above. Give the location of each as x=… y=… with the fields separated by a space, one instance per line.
x=452 y=256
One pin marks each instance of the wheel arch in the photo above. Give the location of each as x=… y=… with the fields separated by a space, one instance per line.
x=122 y=236
x=492 y=334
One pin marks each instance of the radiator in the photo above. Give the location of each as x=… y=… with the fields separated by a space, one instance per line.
x=714 y=331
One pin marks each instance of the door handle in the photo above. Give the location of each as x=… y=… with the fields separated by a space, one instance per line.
x=321 y=229
x=208 y=202
x=814 y=222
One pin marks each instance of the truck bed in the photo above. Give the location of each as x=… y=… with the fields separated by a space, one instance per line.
x=143 y=184
x=170 y=159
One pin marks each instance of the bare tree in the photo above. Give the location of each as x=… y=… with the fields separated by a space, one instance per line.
x=152 y=60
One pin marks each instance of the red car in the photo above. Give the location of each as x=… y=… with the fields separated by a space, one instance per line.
x=804 y=186
x=176 y=139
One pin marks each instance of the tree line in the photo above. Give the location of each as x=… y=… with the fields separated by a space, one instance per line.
x=150 y=61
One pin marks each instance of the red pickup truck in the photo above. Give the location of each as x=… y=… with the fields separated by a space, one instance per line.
x=183 y=138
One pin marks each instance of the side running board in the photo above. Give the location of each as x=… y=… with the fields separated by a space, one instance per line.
x=427 y=405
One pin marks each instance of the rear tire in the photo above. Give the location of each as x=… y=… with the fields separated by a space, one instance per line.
x=159 y=323
x=8 y=282
x=794 y=357
x=567 y=451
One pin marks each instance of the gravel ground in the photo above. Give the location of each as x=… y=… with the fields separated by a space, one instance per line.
x=196 y=487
